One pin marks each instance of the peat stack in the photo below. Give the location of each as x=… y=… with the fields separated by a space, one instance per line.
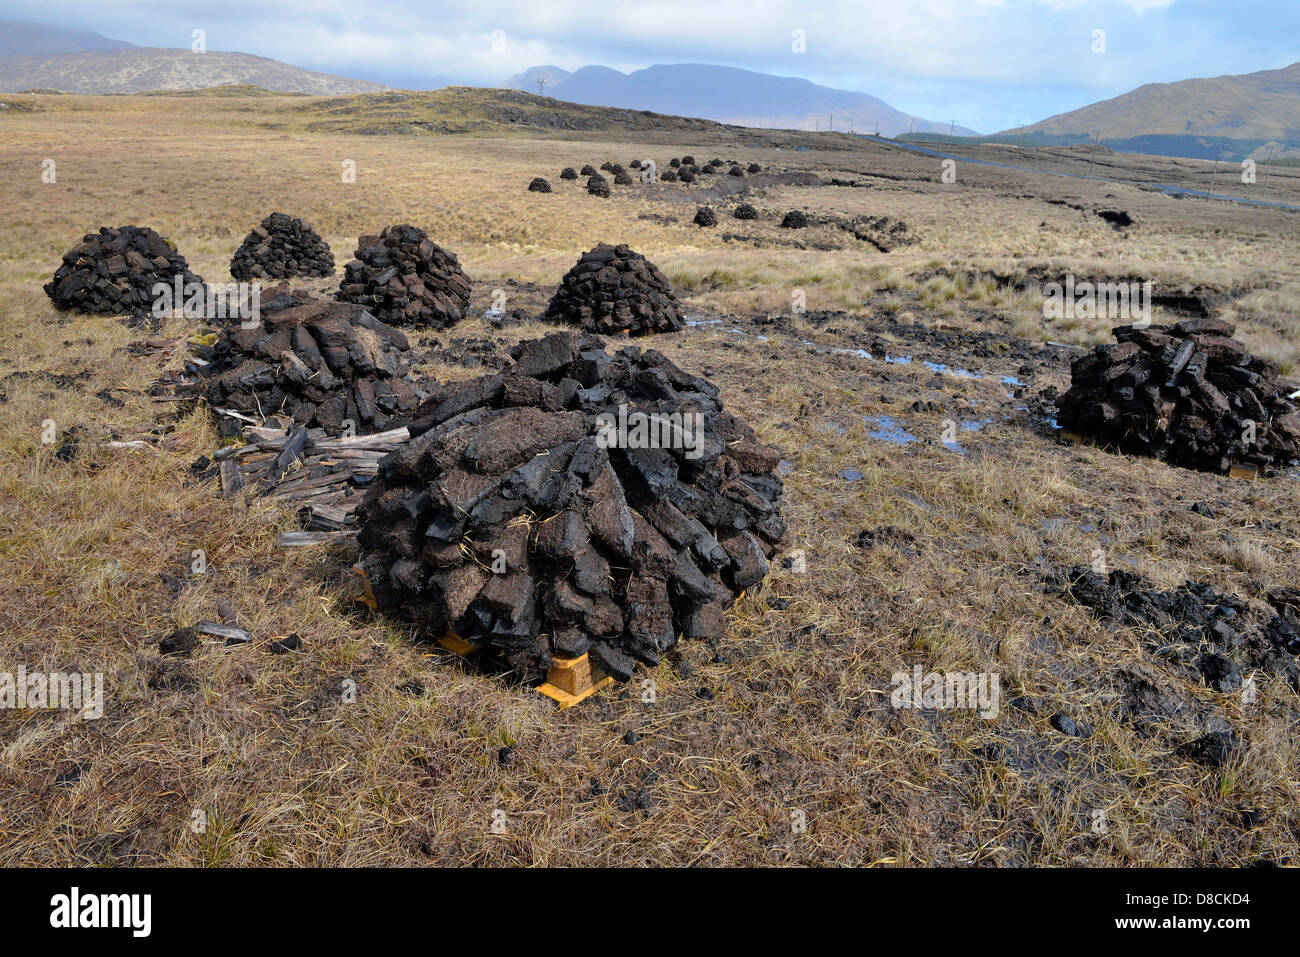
x=282 y=247
x=612 y=288
x=114 y=271
x=705 y=216
x=598 y=186
x=795 y=219
x=528 y=514
x=539 y=185
x=568 y=173
x=403 y=277
x=745 y=211
x=318 y=362
x=1188 y=394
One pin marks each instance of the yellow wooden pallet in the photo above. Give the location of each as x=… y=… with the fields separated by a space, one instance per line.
x=571 y=680
x=458 y=645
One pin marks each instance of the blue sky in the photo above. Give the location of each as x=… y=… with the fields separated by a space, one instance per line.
x=988 y=64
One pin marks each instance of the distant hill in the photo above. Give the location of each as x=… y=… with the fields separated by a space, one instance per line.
x=18 y=38
x=1262 y=106
x=468 y=109
x=725 y=94
x=144 y=69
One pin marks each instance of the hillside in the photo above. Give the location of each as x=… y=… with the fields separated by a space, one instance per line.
x=728 y=95
x=18 y=38
x=1252 y=106
x=142 y=69
x=466 y=109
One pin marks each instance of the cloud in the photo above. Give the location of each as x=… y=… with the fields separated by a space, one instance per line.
x=995 y=60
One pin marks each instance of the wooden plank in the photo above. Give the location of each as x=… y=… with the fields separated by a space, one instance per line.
x=229 y=632
x=393 y=437
x=232 y=479
x=304 y=539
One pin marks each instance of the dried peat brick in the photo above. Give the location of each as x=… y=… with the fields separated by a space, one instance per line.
x=1188 y=394
x=533 y=513
x=282 y=247
x=113 y=271
x=613 y=288
x=402 y=277
x=317 y=362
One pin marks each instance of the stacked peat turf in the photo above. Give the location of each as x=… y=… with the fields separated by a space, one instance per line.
x=612 y=288
x=1188 y=394
x=705 y=216
x=114 y=271
x=319 y=363
x=795 y=219
x=598 y=186
x=403 y=277
x=525 y=515
x=280 y=248
x=745 y=211
x=568 y=173
x=539 y=185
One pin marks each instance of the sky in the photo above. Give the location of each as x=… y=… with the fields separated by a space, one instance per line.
x=987 y=64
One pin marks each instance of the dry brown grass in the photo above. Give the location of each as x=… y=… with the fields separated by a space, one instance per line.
x=287 y=772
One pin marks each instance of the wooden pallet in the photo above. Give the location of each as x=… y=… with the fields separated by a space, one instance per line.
x=572 y=680
x=306 y=470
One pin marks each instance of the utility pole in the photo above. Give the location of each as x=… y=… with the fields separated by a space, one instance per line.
x=911 y=126
x=541 y=86
x=1021 y=138
x=760 y=121
x=1094 y=153
x=1213 y=174
x=951 y=128
x=830 y=125
x=1269 y=166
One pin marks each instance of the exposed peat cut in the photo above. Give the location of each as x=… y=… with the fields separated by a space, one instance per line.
x=578 y=501
x=282 y=247
x=1196 y=626
x=114 y=271
x=321 y=364
x=404 y=278
x=612 y=289
x=1188 y=394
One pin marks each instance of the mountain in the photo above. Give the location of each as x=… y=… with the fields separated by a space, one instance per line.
x=18 y=38
x=1253 y=106
x=528 y=80
x=141 y=69
x=728 y=95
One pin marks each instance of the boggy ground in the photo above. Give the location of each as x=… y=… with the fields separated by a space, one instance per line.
x=917 y=544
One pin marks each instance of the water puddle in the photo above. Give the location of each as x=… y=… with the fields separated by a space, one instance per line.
x=887 y=429
x=851 y=475
x=946 y=370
